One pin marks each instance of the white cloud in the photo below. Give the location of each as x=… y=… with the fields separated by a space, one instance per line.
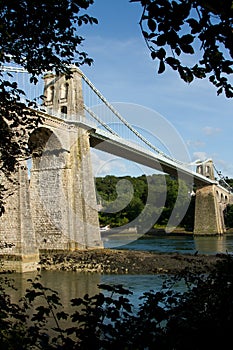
x=107 y=164
x=210 y=130
x=200 y=155
x=101 y=163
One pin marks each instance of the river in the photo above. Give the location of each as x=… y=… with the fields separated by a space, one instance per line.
x=73 y=284
x=175 y=243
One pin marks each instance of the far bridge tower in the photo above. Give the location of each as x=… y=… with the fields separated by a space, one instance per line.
x=211 y=201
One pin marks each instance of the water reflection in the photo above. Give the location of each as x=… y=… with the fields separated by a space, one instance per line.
x=69 y=284
x=178 y=243
x=74 y=285
x=206 y=245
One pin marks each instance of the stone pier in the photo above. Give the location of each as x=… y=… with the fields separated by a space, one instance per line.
x=209 y=207
x=53 y=207
x=210 y=203
x=20 y=251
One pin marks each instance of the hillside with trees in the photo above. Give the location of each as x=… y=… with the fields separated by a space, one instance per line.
x=122 y=199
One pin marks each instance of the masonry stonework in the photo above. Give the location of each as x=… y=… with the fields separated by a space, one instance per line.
x=209 y=207
x=54 y=209
x=16 y=227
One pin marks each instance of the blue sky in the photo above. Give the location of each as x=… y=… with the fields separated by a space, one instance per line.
x=124 y=72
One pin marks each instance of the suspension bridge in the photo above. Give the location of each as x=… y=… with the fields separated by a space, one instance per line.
x=106 y=124
x=60 y=195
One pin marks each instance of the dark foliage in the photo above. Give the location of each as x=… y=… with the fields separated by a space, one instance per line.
x=228 y=216
x=175 y=29
x=42 y=35
x=197 y=317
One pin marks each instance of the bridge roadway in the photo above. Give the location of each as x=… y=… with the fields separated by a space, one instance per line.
x=107 y=142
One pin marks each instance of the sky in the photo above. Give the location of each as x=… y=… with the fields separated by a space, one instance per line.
x=123 y=71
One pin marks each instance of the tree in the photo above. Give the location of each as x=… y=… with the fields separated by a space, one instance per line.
x=175 y=29
x=228 y=216
x=39 y=36
x=150 y=199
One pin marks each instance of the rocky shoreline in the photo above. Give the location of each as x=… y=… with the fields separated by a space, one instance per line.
x=110 y=261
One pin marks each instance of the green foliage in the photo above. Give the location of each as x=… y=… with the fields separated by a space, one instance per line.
x=200 y=317
x=174 y=29
x=188 y=220
x=154 y=193
x=228 y=216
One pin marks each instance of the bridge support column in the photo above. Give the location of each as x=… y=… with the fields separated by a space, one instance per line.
x=63 y=199
x=19 y=251
x=62 y=176
x=83 y=211
x=209 y=218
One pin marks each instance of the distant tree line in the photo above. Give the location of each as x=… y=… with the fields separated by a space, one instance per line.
x=228 y=212
x=122 y=199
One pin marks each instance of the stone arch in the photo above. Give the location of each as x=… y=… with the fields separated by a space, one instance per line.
x=199 y=169
x=47 y=188
x=46 y=149
x=38 y=139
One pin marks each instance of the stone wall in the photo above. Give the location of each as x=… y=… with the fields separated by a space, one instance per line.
x=209 y=206
x=16 y=227
x=56 y=208
x=62 y=187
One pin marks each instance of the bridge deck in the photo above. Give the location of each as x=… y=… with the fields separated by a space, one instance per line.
x=115 y=145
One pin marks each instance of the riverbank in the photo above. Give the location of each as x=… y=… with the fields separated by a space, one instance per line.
x=110 y=261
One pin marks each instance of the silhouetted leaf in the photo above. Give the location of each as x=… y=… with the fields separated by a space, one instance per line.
x=186 y=39
x=161 y=40
x=151 y=24
x=161 y=67
x=173 y=62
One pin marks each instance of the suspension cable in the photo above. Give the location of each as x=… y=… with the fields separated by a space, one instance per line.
x=123 y=120
x=223 y=178
x=93 y=115
x=113 y=110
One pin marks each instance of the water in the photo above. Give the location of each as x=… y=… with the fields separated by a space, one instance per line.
x=73 y=284
x=174 y=243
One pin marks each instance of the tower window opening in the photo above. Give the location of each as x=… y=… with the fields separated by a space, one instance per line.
x=64 y=110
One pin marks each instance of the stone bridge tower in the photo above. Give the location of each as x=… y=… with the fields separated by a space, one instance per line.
x=54 y=209
x=210 y=204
